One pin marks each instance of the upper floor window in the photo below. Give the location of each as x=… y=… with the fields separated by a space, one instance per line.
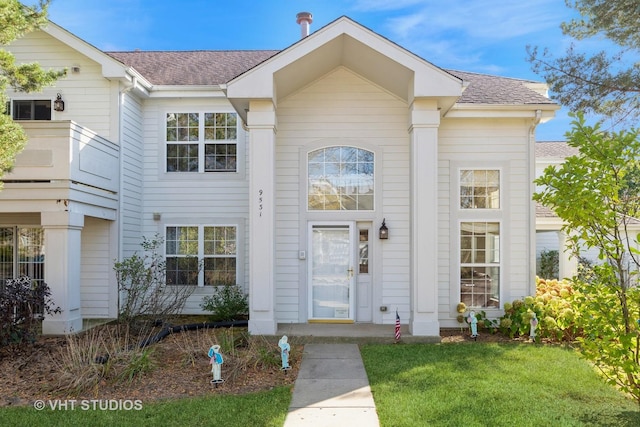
x=28 y=109
x=340 y=178
x=479 y=189
x=201 y=142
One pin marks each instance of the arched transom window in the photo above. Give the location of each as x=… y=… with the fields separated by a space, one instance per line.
x=340 y=178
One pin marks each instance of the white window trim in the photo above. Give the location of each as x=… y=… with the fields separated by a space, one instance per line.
x=459 y=215
x=476 y=168
x=240 y=141
x=31 y=98
x=200 y=255
x=305 y=181
x=459 y=263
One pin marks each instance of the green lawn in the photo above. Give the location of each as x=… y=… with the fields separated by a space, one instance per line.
x=472 y=384
x=266 y=409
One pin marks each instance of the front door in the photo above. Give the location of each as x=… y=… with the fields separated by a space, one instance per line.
x=332 y=272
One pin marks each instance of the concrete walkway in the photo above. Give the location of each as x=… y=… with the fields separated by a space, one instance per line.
x=332 y=389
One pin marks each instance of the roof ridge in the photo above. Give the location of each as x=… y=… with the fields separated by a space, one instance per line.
x=191 y=50
x=493 y=75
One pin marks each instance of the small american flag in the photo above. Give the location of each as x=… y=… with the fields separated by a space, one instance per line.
x=397 y=326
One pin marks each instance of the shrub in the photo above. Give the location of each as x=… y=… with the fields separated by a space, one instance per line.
x=549 y=264
x=108 y=354
x=554 y=306
x=612 y=345
x=22 y=306
x=227 y=303
x=143 y=287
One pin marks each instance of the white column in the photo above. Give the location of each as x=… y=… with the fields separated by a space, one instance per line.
x=261 y=121
x=62 y=239
x=425 y=119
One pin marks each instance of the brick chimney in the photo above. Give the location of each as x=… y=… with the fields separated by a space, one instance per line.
x=304 y=19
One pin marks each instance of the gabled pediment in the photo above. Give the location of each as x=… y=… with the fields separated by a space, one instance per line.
x=348 y=44
x=111 y=68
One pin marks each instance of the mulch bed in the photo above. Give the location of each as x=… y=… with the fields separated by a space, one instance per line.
x=29 y=373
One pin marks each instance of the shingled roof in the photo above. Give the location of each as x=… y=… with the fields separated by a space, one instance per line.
x=196 y=67
x=205 y=67
x=488 y=89
x=554 y=150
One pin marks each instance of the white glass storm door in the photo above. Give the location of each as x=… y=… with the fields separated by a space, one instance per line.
x=331 y=272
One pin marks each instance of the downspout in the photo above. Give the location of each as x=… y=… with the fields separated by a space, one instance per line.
x=121 y=97
x=532 y=207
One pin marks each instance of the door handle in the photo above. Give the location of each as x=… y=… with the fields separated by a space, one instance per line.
x=350 y=271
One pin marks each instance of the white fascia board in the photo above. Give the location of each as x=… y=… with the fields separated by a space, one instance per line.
x=181 y=91
x=502 y=111
x=111 y=68
x=429 y=80
x=548 y=224
x=139 y=82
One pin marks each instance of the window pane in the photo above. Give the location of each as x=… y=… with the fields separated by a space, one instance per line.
x=480 y=286
x=42 y=110
x=220 y=157
x=182 y=157
x=220 y=251
x=219 y=271
x=181 y=241
x=363 y=248
x=182 y=127
x=220 y=126
x=31 y=253
x=28 y=245
x=32 y=110
x=479 y=259
x=182 y=271
x=219 y=241
x=479 y=189
x=340 y=178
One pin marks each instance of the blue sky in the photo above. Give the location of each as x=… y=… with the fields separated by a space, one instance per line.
x=484 y=36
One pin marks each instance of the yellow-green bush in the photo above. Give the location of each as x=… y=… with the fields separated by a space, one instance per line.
x=552 y=305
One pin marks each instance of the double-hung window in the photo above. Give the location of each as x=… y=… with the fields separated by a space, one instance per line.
x=201 y=255
x=201 y=142
x=479 y=237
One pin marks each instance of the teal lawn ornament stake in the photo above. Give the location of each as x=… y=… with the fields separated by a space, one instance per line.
x=215 y=360
x=473 y=321
x=534 y=324
x=284 y=352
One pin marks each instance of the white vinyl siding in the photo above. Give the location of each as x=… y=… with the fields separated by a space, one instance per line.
x=88 y=96
x=183 y=199
x=132 y=155
x=342 y=109
x=484 y=144
x=98 y=297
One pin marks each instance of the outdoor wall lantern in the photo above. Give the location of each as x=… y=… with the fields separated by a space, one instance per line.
x=384 y=231
x=58 y=104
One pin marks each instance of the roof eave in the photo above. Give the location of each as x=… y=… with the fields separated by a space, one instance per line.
x=187 y=91
x=469 y=110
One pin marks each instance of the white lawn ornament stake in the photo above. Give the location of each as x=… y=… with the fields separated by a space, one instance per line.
x=473 y=321
x=284 y=352
x=215 y=360
x=534 y=324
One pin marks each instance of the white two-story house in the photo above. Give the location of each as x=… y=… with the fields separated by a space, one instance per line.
x=278 y=169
